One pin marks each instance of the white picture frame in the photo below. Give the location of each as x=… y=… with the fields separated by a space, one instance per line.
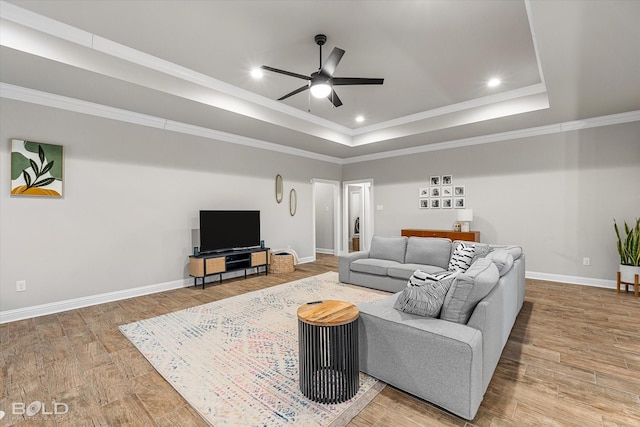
x=423 y=192
x=434 y=180
x=459 y=202
x=423 y=203
x=447 y=179
x=458 y=191
x=447 y=191
x=434 y=192
x=446 y=203
x=434 y=203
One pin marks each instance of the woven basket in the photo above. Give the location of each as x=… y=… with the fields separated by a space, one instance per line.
x=281 y=263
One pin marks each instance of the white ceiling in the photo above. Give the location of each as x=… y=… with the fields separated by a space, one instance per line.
x=189 y=62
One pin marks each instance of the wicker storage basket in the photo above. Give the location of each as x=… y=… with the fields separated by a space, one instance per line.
x=281 y=263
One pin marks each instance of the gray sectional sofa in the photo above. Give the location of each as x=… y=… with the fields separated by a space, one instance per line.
x=446 y=362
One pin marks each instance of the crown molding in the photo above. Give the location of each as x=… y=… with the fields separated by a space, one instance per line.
x=455 y=108
x=613 y=119
x=32 y=96
x=534 y=38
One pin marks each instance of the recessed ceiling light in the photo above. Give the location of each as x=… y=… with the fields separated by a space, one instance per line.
x=493 y=82
x=359 y=119
x=256 y=73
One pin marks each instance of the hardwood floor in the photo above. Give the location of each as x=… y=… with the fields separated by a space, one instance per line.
x=573 y=358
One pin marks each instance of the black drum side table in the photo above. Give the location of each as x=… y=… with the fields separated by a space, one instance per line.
x=328 y=350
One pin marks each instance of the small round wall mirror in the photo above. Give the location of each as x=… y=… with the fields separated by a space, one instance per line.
x=293 y=202
x=278 y=188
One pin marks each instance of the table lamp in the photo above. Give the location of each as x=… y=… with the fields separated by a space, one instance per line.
x=465 y=216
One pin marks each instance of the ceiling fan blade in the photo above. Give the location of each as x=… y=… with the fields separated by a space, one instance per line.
x=344 y=81
x=288 y=73
x=300 y=89
x=331 y=63
x=335 y=100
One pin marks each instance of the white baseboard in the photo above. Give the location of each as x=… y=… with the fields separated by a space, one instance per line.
x=324 y=251
x=576 y=280
x=71 y=304
x=75 y=303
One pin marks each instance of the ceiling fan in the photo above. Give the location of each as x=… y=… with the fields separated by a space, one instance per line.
x=322 y=81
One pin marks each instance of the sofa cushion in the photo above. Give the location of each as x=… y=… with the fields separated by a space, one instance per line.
x=502 y=259
x=462 y=257
x=389 y=248
x=515 y=251
x=468 y=289
x=372 y=266
x=425 y=293
x=404 y=271
x=428 y=251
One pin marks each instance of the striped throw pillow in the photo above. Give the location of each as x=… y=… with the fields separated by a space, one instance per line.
x=462 y=258
x=425 y=293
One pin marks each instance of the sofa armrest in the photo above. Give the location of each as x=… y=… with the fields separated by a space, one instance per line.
x=494 y=316
x=344 y=264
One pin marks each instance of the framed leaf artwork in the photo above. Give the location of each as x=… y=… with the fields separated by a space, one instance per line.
x=36 y=169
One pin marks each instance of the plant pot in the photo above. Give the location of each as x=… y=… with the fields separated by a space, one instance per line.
x=627 y=273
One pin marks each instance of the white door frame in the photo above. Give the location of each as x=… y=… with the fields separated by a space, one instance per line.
x=336 y=213
x=366 y=222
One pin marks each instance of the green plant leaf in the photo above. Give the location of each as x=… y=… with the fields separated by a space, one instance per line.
x=51 y=152
x=41 y=154
x=629 y=247
x=27 y=178
x=44 y=182
x=47 y=168
x=34 y=166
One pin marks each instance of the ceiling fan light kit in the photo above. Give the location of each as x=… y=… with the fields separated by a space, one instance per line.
x=320 y=90
x=321 y=82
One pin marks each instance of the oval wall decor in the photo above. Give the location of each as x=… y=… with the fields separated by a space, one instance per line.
x=293 y=202
x=278 y=188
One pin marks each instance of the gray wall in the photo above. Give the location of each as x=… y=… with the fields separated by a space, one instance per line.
x=324 y=217
x=132 y=195
x=556 y=195
x=131 y=201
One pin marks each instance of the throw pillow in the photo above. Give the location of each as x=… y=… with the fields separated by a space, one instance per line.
x=481 y=250
x=502 y=259
x=462 y=257
x=425 y=293
x=468 y=289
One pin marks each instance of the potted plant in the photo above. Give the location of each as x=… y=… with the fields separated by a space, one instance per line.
x=629 y=250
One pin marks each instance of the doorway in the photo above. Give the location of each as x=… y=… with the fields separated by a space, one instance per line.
x=357 y=215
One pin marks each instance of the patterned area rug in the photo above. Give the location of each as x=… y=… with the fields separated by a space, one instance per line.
x=236 y=360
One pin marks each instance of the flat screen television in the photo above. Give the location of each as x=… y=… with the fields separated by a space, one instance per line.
x=227 y=230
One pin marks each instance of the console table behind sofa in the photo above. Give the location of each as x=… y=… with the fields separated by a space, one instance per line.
x=469 y=236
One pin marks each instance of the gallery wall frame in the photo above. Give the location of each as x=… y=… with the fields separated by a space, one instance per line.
x=442 y=194
x=36 y=169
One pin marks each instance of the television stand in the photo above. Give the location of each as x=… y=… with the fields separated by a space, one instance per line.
x=204 y=265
